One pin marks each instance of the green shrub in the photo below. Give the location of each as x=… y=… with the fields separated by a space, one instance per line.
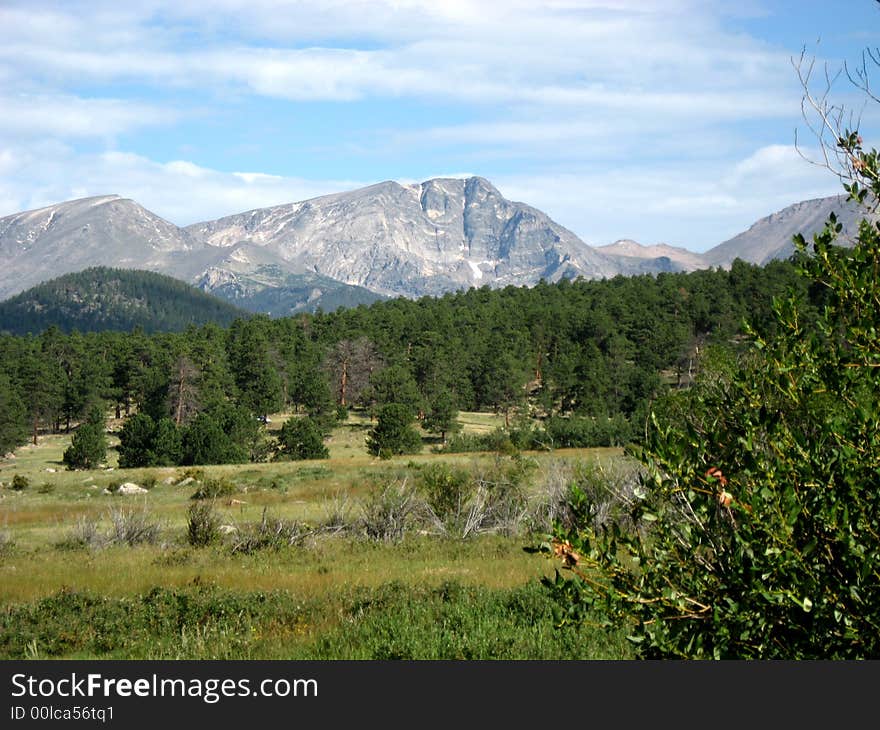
x=214 y=489
x=446 y=489
x=587 y=431
x=497 y=440
x=20 y=482
x=754 y=531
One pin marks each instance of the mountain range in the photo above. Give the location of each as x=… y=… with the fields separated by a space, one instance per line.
x=384 y=240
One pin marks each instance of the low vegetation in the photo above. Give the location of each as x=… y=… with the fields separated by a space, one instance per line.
x=352 y=556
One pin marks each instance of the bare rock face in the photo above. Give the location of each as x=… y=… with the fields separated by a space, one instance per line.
x=387 y=239
x=42 y=244
x=770 y=237
x=437 y=236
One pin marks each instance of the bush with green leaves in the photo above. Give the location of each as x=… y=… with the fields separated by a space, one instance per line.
x=20 y=483
x=497 y=440
x=587 y=431
x=214 y=489
x=755 y=532
x=446 y=488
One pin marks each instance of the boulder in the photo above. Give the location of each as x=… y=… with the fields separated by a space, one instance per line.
x=130 y=488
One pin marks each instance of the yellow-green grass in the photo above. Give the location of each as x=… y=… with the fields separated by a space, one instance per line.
x=34 y=523
x=310 y=571
x=323 y=574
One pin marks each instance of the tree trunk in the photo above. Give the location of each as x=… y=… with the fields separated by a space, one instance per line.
x=343 y=382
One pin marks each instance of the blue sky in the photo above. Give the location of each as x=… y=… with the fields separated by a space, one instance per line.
x=671 y=121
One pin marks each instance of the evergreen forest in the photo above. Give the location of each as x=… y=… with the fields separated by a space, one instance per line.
x=582 y=359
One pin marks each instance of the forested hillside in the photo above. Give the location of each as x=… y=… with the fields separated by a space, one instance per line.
x=102 y=298
x=571 y=354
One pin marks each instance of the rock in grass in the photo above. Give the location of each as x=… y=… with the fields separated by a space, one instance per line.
x=130 y=488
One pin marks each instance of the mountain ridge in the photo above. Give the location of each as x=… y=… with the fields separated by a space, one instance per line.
x=382 y=240
x=412 y=240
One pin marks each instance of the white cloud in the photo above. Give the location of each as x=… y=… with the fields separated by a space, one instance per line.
x=672 y=56
x=624 y=112
x=66 y=116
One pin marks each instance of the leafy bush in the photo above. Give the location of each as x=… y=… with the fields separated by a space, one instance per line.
x=446 y=488
x=20 y=482
x=497 y=440
x=214 y=489
x=754 y=530
x=587 y=431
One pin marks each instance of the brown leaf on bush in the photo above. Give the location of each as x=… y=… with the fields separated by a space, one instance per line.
x=716 y=473
x=562 y=549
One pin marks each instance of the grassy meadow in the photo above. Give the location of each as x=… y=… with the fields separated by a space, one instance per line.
x=328 y=559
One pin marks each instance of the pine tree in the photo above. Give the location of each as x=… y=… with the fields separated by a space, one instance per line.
x=393 y=433
x=13 y=417
x=441 y=415
x=88 y=448
x=301 y=438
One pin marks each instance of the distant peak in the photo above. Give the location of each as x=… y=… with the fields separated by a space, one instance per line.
x=93 y=200
x=480 y=182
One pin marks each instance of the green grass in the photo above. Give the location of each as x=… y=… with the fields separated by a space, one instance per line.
x=391 y=621
x=330 y=596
